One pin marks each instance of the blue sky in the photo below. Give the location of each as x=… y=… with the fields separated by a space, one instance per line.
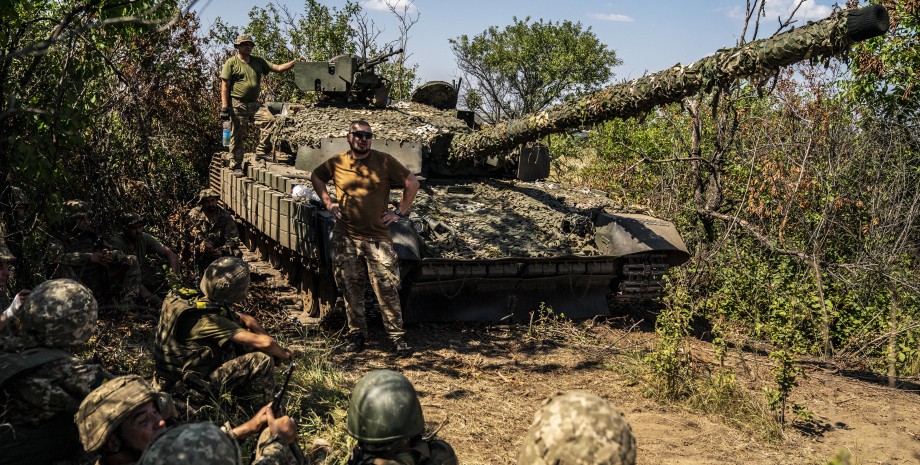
x=647 y=35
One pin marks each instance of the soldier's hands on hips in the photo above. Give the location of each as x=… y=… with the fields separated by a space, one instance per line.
x=225 y=113
x=284 y=428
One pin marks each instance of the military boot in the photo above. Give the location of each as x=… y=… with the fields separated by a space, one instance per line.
x=355 y=343
x=402 y=347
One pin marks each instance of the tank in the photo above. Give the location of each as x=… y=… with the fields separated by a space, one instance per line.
x=488 y=239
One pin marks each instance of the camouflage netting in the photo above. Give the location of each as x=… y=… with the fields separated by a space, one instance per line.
x=490 y=218
x=405 y=121
x=815 y=41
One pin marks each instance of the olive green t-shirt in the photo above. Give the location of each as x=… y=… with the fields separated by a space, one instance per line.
x=211 y=332
x=244 y=78
x=140 y=249
x=363 y=191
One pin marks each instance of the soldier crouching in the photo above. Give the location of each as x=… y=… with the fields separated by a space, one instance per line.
x=204 y=347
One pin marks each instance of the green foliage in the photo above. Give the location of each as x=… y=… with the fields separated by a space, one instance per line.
x=528 y=66
x=317 y=34
x=884 y=69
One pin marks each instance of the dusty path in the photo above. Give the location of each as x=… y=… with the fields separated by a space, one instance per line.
x=486 y=382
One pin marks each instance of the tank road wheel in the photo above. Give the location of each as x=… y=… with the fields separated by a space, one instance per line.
x=275 y=258
x=318 y=292
x=264 y=247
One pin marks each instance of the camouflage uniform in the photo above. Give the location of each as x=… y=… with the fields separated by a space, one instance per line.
x=72 y=250
x=221 y=233
x=42 y=383
x=205 y=444
x=193 y=344
x=356 y=260
x=578 y=428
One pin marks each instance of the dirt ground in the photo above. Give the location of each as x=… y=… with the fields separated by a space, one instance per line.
x=481 y=384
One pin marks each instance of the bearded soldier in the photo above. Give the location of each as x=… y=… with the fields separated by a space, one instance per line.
x=212 y=232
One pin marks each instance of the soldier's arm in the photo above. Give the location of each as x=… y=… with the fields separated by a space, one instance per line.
x=263 y=343
x=410 y=188
x=251 y=323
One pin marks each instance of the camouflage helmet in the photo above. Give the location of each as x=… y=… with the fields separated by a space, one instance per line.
x=242 y=39
x=74 y=209
x=384 y=407
x=131 y=218
x=578 y=428
x=192 y=443
x=103 y=410
x=226 y=280
x=5 y=255
x=59 y=314
x=207 y=194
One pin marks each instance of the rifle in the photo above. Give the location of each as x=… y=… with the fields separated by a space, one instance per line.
x=278 y=409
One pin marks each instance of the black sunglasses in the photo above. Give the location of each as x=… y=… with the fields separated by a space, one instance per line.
x=363 y=134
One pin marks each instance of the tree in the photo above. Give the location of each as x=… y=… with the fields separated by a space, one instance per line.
x=528 y=66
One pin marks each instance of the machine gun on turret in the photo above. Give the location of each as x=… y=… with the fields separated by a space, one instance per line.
x=346 y=79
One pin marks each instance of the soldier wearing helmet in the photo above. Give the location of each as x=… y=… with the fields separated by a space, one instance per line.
x=202 y=345
x=578 y=428
x=240 y=78
x=206 y=444
x=211 y=233
x=40 y=380
x=121 y=418
x=133 y=240
x=81 y=254
x=385 y=416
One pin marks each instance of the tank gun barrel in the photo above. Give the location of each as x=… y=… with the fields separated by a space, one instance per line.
x=371 y=62
x=828 y=37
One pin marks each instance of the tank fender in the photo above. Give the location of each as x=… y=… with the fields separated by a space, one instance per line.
x=619 y=235
x=405 y=241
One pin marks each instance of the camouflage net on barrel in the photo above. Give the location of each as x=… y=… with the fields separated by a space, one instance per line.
x=820 y=40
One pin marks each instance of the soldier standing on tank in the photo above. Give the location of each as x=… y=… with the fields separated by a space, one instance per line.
x=362 y=243
x=578 y=427
x=212 y=232
x=133 y=240
x=41 y=382
x=205 y=347
x=239 y=97
x=385 y=416
x=121 y=418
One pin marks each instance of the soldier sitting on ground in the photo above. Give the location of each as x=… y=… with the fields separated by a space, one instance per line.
x=81 y=254
x=385 y=416
x=11 y=305
x=578 y=428
x=205 y=444
x=41 y=382
x=133 y=240
x=205 y=347
x=121 y=418
x=212 y=232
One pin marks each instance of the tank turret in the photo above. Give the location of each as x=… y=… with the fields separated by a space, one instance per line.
x=486 y=238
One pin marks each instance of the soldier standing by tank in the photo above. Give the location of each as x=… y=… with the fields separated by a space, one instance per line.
x=385 y=416
x=121 y=418
x=239 y=97
x=133 y=240
x=578 y=428
x=362 y=243
x=41 y=382
x=201 y=343
x=212 y=232
x=81 y=254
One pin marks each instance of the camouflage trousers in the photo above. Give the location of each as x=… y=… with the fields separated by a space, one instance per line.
x=243 y=117
x=270 y=452
x=356 y=260
x=250 y=378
